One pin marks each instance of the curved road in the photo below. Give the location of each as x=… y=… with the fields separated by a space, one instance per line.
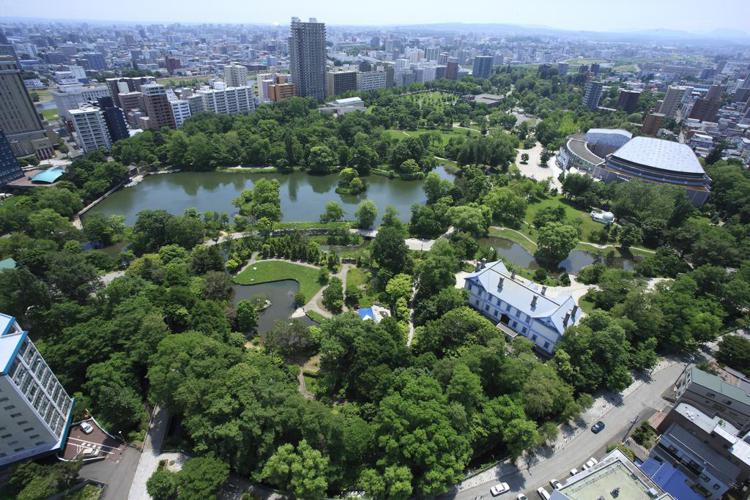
x=642 y=399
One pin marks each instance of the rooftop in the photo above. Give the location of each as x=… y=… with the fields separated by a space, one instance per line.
x=660 y=154
x=717 y=385
x=49 y=176
x=614 y=477
x=498 y=281
x=9 y=345
x=580 y=149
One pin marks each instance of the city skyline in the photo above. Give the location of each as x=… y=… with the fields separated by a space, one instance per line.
x=574 y=15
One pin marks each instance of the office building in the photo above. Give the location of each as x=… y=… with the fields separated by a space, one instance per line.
x=156 y=106
x=482 y=67
x=10 y=169
x=35 y=410
x=372 y=80
x=521 y=307
x=672 y=102
x=172 y=64
x=130 y=101
x=180 y=111
x=229 y=100
x=69 y=97
x=91 y=129
x=451 y=69
x=18 y=117
x=592 y=93
x=338 y=82
x=432 y=53
x=628 y=100
x=94 y=61
x=742 y=94
x=307 y=57
x=125 y=85
x=706 y=108
x=114 y=118
x=652 y=123
x=235 y=75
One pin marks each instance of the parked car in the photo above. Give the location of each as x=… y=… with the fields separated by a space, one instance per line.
x=543 y=494
x=591 y=462
x=521 y=496
x=573 y=471
x=86 y=427
x=597 y=427
x=555 y=484
x=499 y=489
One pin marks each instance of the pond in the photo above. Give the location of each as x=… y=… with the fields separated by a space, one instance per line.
x=281 y=295
x=303 y=196
x=577 y=260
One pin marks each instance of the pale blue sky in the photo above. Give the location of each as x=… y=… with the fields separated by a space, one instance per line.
x=597 y=15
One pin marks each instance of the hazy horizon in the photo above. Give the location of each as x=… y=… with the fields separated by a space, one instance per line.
x=573 y=15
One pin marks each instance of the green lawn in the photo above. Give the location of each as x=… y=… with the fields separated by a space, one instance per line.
x=571 y=213
x=357 y=278
x=445 y=135
x=272 y=270
x=50 y=114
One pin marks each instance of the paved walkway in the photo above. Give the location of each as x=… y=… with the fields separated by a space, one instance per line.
x=151 y=455
x=316 y=302
x=535 y=170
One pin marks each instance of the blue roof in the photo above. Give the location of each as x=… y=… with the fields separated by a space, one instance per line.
x=49 y=176
x=366 y=312
x=8 y=263
x=671 y=480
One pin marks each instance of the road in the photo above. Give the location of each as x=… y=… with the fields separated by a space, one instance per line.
x=640 y=400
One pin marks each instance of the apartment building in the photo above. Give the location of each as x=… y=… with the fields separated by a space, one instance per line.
x=228 y=101
x=91 y=128
x=371 y=80
x=69 y=97
x=235 y=75
x=180 y=111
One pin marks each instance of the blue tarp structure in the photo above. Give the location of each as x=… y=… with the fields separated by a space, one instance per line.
x=670 y=479
x=366 y=312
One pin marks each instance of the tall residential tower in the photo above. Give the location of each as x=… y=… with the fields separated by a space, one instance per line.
x=307 y=57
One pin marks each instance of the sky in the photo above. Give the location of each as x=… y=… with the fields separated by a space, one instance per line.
x=697 y=16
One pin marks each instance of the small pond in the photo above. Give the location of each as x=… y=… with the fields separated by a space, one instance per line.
x=281 y=295
x=577 y=260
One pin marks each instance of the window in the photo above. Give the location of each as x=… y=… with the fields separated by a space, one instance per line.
x=533 y=337
x=507 y=307
x=28 y=429
x=9 y=407
x=15 y=415
x=518 y=313
x=524 y=329
x=546 y=345
x=496 y=312
x=5 y=436
x=487 y=307
x=34 y=436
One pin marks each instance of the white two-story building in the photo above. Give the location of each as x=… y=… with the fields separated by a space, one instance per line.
x=519 y=306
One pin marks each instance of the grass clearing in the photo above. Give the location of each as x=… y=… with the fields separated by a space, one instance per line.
x=50 y=114
x=360 y=279
x=571 y=214
x=265 y=271
x=316 y=316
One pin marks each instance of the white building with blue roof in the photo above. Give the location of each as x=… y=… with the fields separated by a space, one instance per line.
x=35 y=410
x=519 y=306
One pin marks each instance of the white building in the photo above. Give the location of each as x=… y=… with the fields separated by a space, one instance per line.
x=35 y=410
x=235 y=75
x=180 y=111
x=519 y=306
x=371 y=80
x=69 y=97
x=91 y=129
x=229 y=101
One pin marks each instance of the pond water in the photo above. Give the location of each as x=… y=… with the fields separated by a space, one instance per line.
x=577 y=260
x=303 y=196
x=281 y=295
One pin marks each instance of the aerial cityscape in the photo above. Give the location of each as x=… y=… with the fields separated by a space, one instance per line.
x=311 y=251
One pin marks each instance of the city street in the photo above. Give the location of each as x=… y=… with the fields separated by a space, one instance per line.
x=640 y=400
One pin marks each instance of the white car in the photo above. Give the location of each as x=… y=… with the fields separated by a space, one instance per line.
x=86 y=427
x=543 y=493
x=499 y=489
x=573 y=472
x=592 y=462
x=555 y=484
